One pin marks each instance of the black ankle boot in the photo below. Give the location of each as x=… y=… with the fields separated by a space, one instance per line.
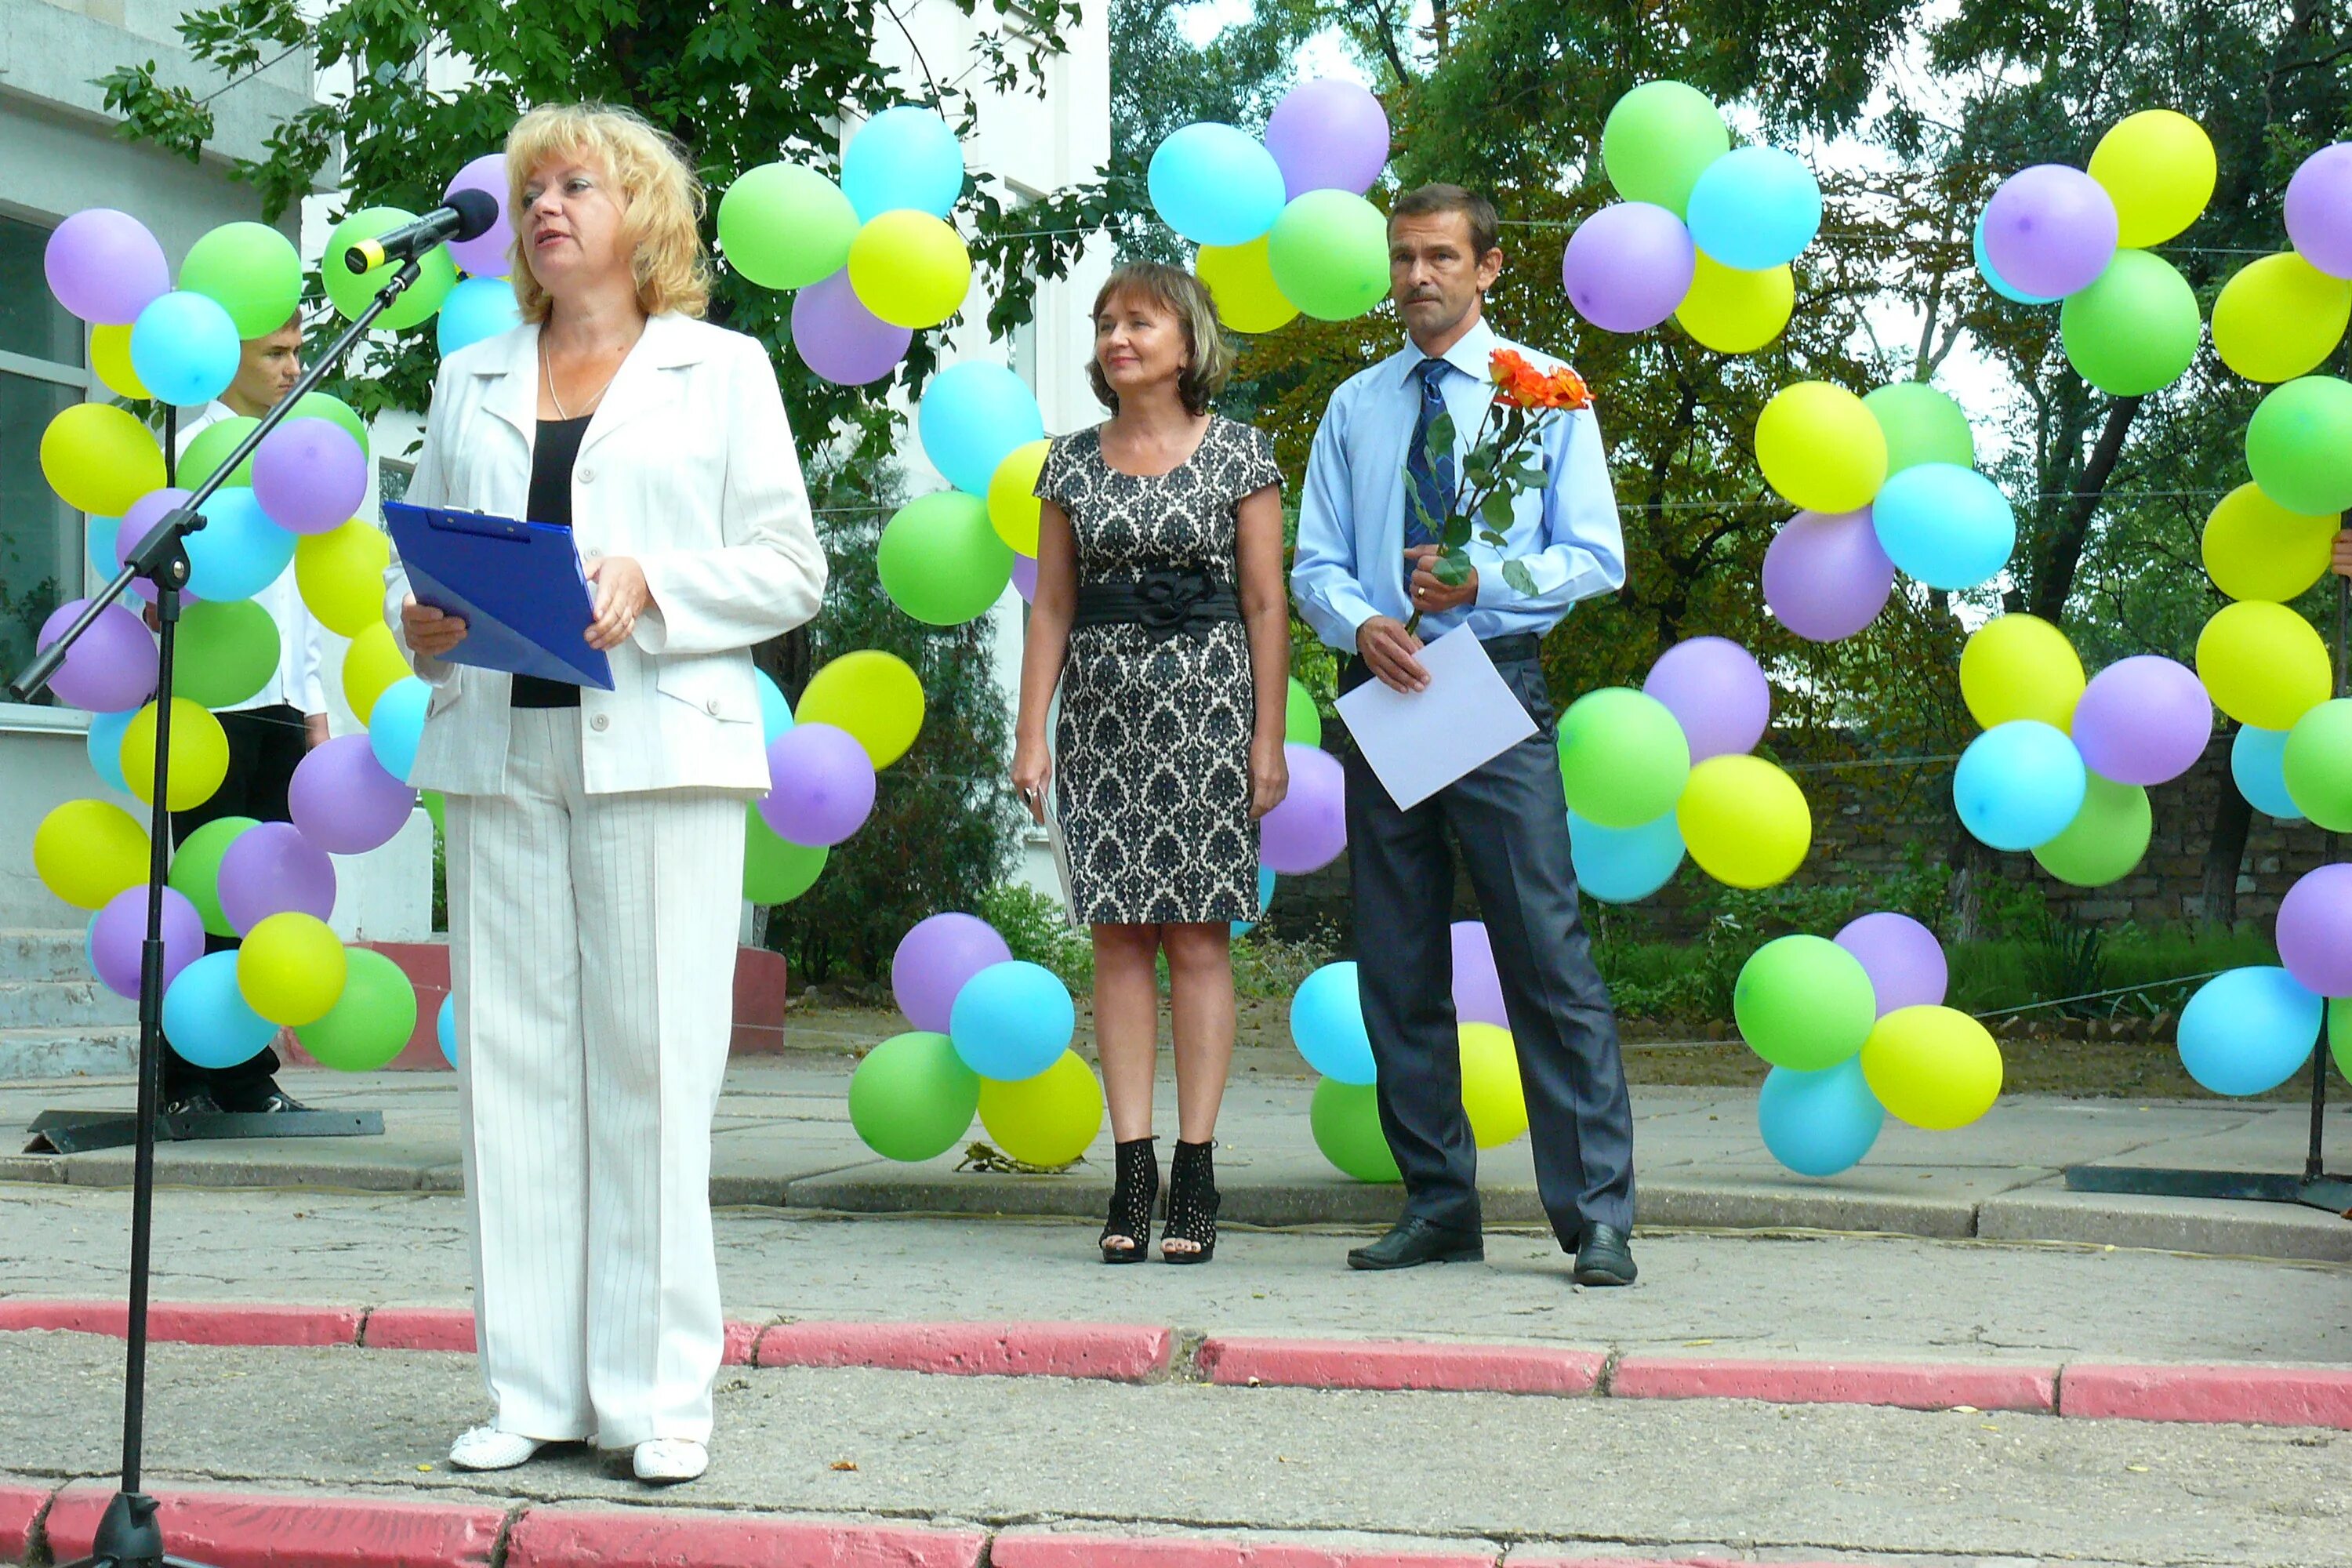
x=1193 y=1202
x=1135 y=1188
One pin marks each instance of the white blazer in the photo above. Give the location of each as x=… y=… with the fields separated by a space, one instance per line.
x=688 y=468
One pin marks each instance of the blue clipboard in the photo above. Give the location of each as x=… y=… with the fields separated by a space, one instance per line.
x=518 y=587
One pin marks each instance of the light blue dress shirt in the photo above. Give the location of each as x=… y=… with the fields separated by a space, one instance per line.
x=1350 y=564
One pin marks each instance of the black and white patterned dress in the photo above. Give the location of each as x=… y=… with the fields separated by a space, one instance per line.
x=1152 y=761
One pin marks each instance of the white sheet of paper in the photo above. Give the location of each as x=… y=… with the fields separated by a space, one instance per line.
x=1418 y=745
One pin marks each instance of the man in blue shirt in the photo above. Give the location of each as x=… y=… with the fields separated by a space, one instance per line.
x=1364 y=566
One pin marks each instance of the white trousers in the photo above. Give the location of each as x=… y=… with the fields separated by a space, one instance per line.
x=592 y=953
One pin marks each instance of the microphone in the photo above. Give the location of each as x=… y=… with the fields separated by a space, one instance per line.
x=468 y=215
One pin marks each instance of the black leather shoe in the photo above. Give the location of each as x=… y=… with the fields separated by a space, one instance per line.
x=269 y=1104
x=1413 y=1241
x=1606 y=1258
x=196 y=1102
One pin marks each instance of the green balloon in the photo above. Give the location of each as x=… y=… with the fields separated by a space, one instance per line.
x=912 y=1098
x=370 y=1022
x=776 y=871
x=1302 y=722
x=1657 y=141
x=352 y=292
x=2107 y=838
x=2317 y=763
x=1329 y=254
x=941 y=562
x=783 y=225
x=437 y=805
x=1346 y=1120
x=195 y=868
x=2339 y=1033
x=1804 y=1002
x=2136 y=329
x=2299 y=445
x=251 y=270
x=210 y=447
x=1623 y=758
x=1921 y=426
x=227 y=652
x=320 y=405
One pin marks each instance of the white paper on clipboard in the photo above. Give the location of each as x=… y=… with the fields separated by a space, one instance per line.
x=1418 y=744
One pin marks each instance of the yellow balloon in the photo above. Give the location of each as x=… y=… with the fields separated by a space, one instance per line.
x=873 y=695
x=86 y=851
x=199 y=754
x=1492 y=1094
x=1934 y=1067
x=1743 y=821
x=2262 y=664
x=99 y=459
x=2158 y=166
x=2256 y=549
x=110 y=356
x=1240 y=283
x=292 y=968
x=2280 y=318
x=1011 y=496
x=340 y=576
x=909 y=269
x=1736 y=312
x=1049 y=1120
x=1820 y=447
x=371 y=665
x=2021 y=666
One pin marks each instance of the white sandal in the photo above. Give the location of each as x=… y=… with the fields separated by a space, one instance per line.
x=487 y=1449
x=666 y=1461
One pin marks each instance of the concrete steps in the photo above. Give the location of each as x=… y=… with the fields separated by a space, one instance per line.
x=95 y=1052
x=56 y=1019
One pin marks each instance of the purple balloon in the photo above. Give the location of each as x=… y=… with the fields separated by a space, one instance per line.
x=111 y=668
x=1826 y=576
x=2143 y=720
x=310 y=475
x=1627 y=266
x=2315 y=930
x=1025 y=577
x=344 y=802
x=1329 y=134
x=488 y=254
x=119 y=933
x=933 y=962
x=1478 y=984
x=2050 y=230
x=840 y=339
x=1902 y=957
x=1716 y=691
x=105 y=267
x=1310 y=828
x=823 y=788
x=2319 y=210
x=270 y=869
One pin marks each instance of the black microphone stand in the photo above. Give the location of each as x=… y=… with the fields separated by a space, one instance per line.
x=128 y=1535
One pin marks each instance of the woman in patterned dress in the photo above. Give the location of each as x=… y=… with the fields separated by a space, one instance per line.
x=1160 y=613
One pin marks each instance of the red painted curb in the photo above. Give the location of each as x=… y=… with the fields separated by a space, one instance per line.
x=239 y=1530
x=420 y=1329
x=2259 y=1395
x=191 y=1323
x=1117 y=1351
x=1401 y=1364
x=20 y=1509
x=637 y=1538
x=1041 y=1550
x=741 y=1347
x=1903 y=1386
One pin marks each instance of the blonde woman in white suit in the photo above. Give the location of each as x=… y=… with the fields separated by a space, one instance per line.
x=595 y=838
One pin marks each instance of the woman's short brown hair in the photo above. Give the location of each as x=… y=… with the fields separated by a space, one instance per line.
x=662 y=199
x=1186 y=298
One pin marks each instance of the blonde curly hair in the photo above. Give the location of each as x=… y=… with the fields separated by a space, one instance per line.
x=662 y=201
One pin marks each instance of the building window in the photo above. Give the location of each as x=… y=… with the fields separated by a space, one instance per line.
x=41 y=375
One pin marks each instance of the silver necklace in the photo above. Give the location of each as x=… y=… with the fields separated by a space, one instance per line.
x=547 y=370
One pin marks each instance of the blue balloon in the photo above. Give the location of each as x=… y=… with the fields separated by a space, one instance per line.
x=971 y=416
x=106 y=732
x=903 y=157
x=207 y=1018
x=775 y=712
x=1755 y=208
x=1265 y=900
x=2258 y=763
x=238 y=552
x=1621 y=865
x=2019 y=785
x=444 y=1027
x=1948 y=526
x=1819 y=1123
x=1011 y=1021
x=1327 y=1024
x=184 y=347
x=1994 y=281
x=478 y=308
x=1216 y=185
x=2247 y=1031
x=396 y=724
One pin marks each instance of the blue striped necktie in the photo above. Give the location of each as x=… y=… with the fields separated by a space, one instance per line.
x=1432 y=483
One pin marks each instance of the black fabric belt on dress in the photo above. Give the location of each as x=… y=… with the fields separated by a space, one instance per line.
x=1165 y=603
